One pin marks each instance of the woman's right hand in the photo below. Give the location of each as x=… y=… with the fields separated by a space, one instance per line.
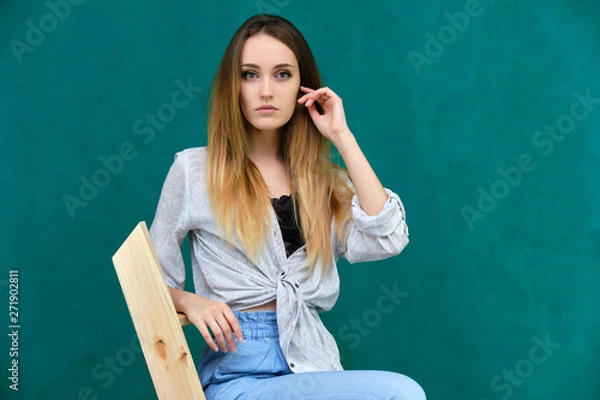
x=204 y=314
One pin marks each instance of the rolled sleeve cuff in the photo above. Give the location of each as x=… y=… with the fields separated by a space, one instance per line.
x=173 y=284
x=382 y=224
x=174 y=280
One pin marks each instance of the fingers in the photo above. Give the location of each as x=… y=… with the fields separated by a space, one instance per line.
x=306 y=89
x=312 y=96
x=207 y=337
x=312 y=111
x=235 y=325
x=221 y=331
x=223 y=324
x=321 y=95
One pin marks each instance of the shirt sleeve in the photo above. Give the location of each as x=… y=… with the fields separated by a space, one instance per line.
x=168 y=230
x=374 y=237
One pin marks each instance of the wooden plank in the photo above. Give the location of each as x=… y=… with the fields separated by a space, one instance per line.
x=183 y=320
x=155 y=319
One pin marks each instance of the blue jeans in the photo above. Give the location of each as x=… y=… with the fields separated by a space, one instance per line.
x=258 y=371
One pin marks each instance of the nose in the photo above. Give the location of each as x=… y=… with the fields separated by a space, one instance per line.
x=265 y=89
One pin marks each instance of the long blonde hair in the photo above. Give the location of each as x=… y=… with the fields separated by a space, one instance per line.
x=238 y=194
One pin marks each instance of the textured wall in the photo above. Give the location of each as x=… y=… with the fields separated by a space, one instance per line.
x=483 y=116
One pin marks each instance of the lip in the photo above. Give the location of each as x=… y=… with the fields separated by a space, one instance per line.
x=266 y=109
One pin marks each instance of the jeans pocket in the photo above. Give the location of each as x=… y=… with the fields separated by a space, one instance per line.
x=258 y=358
x=208 y=363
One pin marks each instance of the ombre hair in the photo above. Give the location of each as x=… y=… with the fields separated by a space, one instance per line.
x=238 y=194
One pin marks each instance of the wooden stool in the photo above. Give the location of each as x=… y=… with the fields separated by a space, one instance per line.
x=157 y=323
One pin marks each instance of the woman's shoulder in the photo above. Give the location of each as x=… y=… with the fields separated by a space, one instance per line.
x=189 y=167
x=192 y=156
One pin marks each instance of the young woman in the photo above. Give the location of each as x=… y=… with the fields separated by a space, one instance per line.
x=268 y=214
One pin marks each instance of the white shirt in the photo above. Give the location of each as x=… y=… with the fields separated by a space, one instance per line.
x=223 y=272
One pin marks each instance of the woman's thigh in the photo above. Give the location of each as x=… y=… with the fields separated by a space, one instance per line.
x=330 y=385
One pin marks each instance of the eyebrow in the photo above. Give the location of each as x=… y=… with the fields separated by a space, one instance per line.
x=283 y=65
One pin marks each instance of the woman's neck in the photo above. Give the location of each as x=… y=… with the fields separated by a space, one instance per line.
x=263 y=146
x=263 y=151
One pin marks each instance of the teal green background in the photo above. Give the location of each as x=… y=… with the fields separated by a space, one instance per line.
x=475 y=296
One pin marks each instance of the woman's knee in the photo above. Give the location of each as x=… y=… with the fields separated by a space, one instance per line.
x=402 y=387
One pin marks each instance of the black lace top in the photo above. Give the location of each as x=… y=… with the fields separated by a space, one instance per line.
x=290 y=228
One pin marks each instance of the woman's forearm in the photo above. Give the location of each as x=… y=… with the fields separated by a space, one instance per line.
x=369 y=190
x=181 y=299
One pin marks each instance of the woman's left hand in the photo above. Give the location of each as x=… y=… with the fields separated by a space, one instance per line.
x=332 y=123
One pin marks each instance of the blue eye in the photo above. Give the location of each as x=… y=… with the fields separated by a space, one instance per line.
x=246 y=74
x=252 y=75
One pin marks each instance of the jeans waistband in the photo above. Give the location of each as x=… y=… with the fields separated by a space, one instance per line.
x=258 y=324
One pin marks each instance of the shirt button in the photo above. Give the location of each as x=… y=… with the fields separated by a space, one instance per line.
x=282 y=274
x=296 y=284
x=292 y=365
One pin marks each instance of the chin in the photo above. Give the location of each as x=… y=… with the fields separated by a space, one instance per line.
x=262 y=126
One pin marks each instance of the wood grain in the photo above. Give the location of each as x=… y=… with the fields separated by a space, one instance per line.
x=155 y=319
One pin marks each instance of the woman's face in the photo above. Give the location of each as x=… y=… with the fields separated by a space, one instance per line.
x=270 y=82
